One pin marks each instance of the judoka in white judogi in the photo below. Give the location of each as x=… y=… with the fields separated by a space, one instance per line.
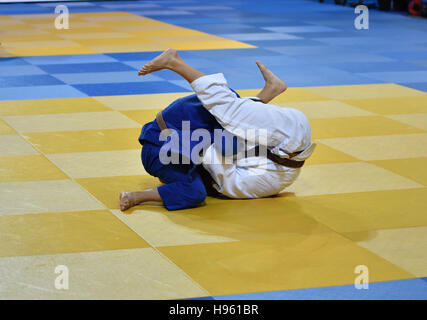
x=269 y=143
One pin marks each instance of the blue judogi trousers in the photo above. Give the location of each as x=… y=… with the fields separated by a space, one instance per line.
x=185 y=185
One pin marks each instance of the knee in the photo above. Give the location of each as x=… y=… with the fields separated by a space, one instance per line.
x=199 y=194
x=196 y=193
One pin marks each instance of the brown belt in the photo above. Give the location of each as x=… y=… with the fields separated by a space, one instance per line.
x=283 y=161
x=160 y=122
x=275 y=158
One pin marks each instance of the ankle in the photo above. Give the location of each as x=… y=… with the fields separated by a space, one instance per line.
x=174 y=62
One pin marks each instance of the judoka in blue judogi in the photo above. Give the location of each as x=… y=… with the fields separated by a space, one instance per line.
x=186 y=183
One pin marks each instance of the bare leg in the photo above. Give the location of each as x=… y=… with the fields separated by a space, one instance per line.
x=172 y=61
x=133 y=198
x=167 y=60
x=273 y=85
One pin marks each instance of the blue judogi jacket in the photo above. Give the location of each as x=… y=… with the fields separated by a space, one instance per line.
x=185 y=183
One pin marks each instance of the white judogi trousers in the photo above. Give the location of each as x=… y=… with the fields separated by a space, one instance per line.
x=282 y=130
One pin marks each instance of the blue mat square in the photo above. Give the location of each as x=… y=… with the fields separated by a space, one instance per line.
x=12 y=62
x=105 y=77
x=21 y=70
x=412 y=289
x=406 y=55
x=111 y=89
x=224 y=28
x=168 y=75
x=303 y=29
x=28 y=81
x=40 y=92
x=86 y=67
x=134 y=56
x=23 y=8
x=69 y=59
x=189 y=20
x=378 y=66
x=422 y=86
x=182 y=83
x=289 y=43
x=260 y=36
x=397 y=76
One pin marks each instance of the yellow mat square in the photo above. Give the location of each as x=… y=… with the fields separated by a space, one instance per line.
x=248 y=92
x=98 y=22
x=142 y=116
x=326 y=109
x=28 y=168
x=358 y=126
x=140 y=101
x=107 y=190
x=5 y=128
x=94 y=35
x=13 y=144
x=395 y=105
x=298 y=94
x=71 y=122
x=365 y=91
x=367 y=211
x=99 y=164
x=117 y=274
x=382 y=147
x=418 y=120
x=412 y=168
x=324 y=154
x=347 y=177
x=44 y=106
x=45 y=196
x=116 y=41
x=86 y=27
x=48 y=51
x=14 y=26
x=405 y=248
x=160 y=228
x=295 y=261
x=94 y=140
x=17 y=45
x=31 y=37
x=64 y=232
x=135 y=47
x=22 y=29
x=220 y=221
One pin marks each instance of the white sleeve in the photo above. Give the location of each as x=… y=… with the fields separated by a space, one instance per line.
x=239 y=115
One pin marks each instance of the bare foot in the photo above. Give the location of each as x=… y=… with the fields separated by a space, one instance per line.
x=163 y=61
x=273 y=84
x=126 y=201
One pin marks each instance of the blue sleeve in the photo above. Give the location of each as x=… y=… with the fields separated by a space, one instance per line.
x=183 y=194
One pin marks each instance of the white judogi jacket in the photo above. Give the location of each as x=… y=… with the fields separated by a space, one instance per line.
x=288 y=131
